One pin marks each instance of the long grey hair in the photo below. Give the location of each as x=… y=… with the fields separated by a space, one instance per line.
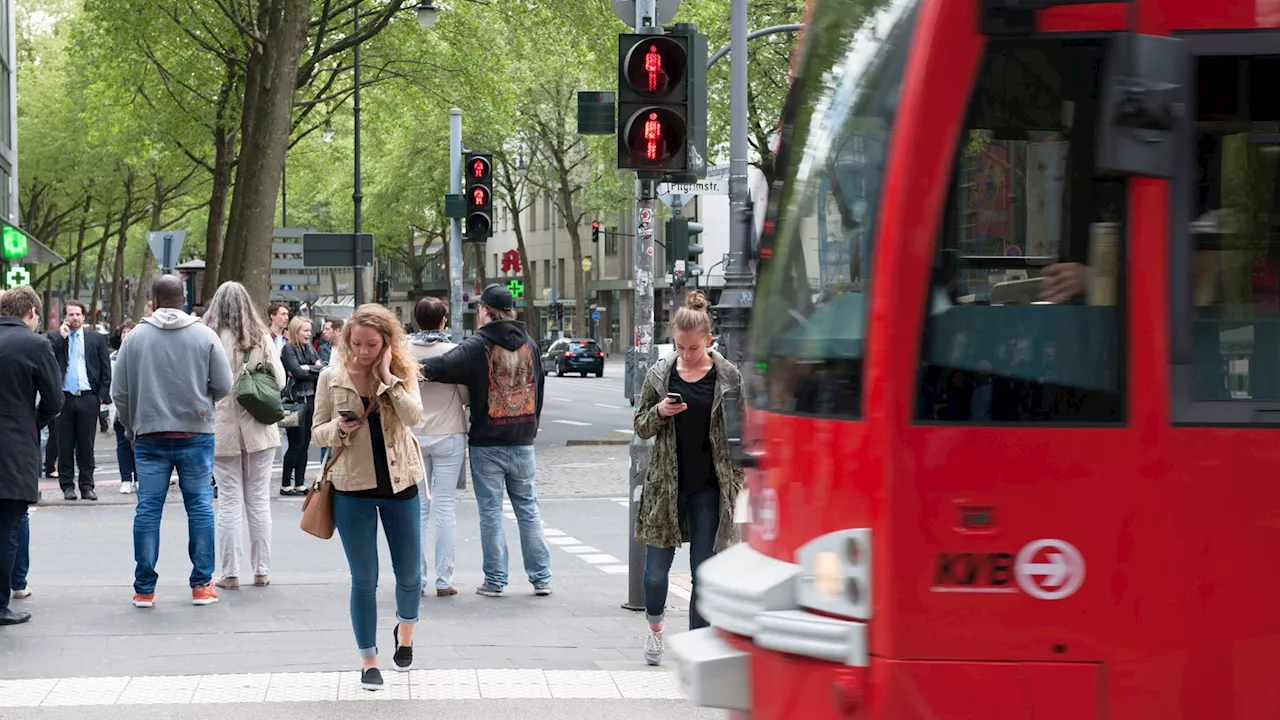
x=232 y=310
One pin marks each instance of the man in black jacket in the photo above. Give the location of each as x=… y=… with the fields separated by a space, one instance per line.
x=502 y=367
x=28 y=371
x=85 y=363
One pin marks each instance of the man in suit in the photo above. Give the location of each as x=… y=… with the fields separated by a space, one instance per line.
x=28 y=370
x=86 y=385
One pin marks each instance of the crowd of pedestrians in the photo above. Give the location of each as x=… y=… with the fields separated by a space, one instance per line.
x=196 y=395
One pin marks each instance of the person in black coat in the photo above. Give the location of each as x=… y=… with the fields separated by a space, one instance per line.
x=30 y=397
x=86 y=386
x=303 y=364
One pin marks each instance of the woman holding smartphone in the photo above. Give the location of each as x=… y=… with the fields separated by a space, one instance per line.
x=692 y=483
x=367 y=404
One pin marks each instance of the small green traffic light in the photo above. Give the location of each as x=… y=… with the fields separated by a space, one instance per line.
x=15 y=243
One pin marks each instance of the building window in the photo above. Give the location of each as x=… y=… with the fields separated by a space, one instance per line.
x=611 y=241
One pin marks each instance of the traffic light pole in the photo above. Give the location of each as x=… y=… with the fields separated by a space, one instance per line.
x=641 y=450
x=455 y=226
x=739 y=283
x=677 y=284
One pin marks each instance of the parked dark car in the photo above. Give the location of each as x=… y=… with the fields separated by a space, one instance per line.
x=569 y=356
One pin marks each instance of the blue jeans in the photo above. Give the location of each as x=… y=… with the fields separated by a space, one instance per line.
x=156 y=459
x=22 y=555
x=442 y=457
x=357 y=521
x=492 y=469
x=13 y=520
x=124 y=455
x=703 y=512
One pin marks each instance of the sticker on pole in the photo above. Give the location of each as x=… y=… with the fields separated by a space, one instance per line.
x=1049 y=569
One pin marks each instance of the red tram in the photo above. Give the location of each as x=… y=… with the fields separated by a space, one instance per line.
x=1016 y=346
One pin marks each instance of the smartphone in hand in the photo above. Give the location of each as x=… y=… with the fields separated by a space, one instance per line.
x=675 y=397
x=349 y=415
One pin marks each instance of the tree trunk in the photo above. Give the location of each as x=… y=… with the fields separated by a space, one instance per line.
x=531 y=315
x=265 y=126
x=149 y=258
x=77 y=279
x=579 y=284
x=97 y=276
x=122 y=238
x=224 y=144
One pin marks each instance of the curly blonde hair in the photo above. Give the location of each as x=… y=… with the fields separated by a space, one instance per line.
x=377 y=317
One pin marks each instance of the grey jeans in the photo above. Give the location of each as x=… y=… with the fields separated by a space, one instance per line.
x=442 y=458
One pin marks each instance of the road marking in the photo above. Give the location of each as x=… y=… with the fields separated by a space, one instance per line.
x=571 y=422
x=340 y=686
x=563 y=541
x=611 y=407
x=579 y=549
x=615 y=569
x=552 y=397
x=600 y=559
x=625 y=431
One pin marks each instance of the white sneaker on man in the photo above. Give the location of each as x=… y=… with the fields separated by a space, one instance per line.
x=126 y=487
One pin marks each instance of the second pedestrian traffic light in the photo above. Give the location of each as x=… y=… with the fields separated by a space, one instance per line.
x=683 y=251
x=479 y=194
x=662 y=103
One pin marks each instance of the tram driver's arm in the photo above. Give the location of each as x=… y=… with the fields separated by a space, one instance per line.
x=1063 y=282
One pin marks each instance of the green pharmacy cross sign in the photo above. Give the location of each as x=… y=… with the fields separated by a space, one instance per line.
x=15 y=243
x=516 y=288
x=17 y=275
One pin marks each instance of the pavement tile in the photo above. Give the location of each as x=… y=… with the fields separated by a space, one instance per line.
x=160 y=690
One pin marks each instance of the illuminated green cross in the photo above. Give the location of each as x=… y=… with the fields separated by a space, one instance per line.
x=516 y=288
x=15 y=243
x=17 y=277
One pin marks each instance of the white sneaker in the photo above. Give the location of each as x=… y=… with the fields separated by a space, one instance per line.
x=126 y=487
x=653 y=647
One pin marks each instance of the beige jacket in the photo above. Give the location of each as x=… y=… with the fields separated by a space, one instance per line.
x=235 y=431
x=443 y=405
x=354 y=469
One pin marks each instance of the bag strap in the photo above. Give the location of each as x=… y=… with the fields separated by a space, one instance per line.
x=337 y=452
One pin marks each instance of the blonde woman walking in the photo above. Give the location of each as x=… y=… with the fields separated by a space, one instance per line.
x=244 y=448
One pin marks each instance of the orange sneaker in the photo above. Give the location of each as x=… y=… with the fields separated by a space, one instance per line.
x=204 y=595
x=144 y=601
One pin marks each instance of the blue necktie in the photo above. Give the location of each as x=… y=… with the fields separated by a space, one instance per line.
x=73 y=365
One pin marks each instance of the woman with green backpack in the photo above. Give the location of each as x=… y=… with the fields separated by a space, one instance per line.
x=246 y=437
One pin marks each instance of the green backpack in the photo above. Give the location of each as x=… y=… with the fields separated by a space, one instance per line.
x=259 y=393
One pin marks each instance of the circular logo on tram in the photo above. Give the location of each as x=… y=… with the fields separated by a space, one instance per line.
x=1049 y=569
x=767 y=517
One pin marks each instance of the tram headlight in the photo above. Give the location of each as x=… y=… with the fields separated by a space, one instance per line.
x=835 y=574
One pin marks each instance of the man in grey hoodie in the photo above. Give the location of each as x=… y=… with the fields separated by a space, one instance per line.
x=168 y=377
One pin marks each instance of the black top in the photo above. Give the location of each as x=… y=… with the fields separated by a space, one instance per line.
x=693 y=432
x=300 y=363
x=373 y=423
x=30 y=397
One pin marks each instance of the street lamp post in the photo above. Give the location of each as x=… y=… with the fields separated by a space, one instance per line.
x=357 y=196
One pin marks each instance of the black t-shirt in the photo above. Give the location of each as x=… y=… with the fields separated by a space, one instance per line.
x=373 y=425
x=693 y=432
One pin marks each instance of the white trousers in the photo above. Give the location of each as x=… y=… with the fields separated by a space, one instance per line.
x=244 y=491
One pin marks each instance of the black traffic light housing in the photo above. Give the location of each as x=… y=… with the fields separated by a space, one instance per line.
x=478 y=171
x=683 y=250
x=595 y=231
x=662 y=104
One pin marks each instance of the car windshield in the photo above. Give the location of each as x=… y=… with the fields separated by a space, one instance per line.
x=587 y=347
x=810 y=310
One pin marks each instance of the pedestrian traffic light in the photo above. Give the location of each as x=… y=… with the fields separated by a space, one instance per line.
x=479 y=195
x=595 y=231
x=662 y=105
x=683 y=254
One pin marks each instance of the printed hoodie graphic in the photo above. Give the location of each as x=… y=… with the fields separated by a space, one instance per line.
x=502 y=368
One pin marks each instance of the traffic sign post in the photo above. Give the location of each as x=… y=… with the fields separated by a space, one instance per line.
x=166 y=245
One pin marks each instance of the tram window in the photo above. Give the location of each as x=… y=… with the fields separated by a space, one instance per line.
x=1229 y=205
x=1027 y=294
x=809 y=323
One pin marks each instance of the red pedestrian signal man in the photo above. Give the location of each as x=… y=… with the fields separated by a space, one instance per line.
x=653 y=137
x=653 y=66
